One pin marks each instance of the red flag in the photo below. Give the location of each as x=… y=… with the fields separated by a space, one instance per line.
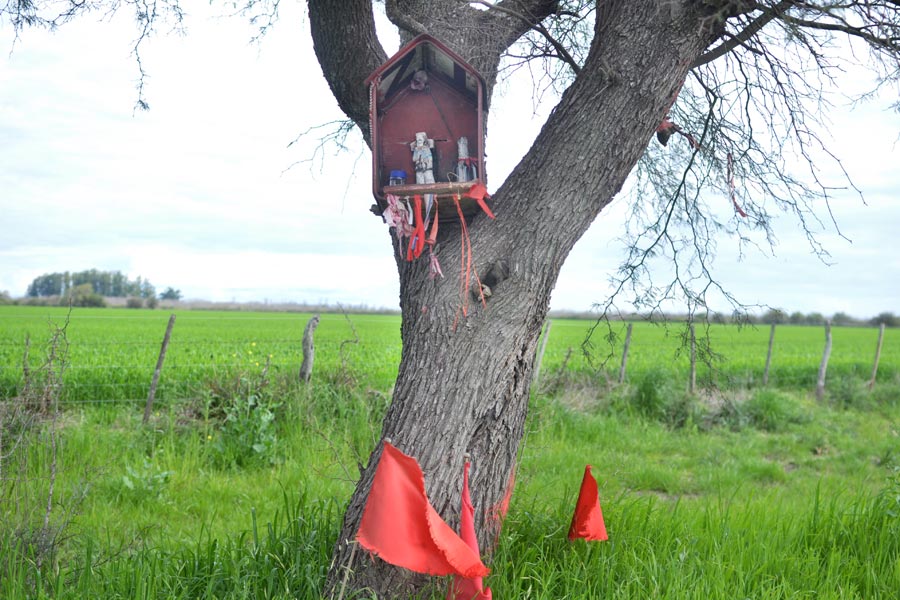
x=400 y=525
x=468 y=588
x=587 y=522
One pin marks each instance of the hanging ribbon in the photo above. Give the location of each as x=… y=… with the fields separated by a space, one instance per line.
x=466 y=268
x=737 y=207
x=396 y=216
x=433 y=265
x=417 y=238
x=432 y=237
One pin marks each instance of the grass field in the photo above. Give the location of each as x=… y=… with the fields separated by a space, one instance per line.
x=235 y=490
x=113 y=352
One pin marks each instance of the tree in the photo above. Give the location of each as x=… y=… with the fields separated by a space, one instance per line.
x=170 y=294
x=49 y=284
x=743 y=77
x=815 y=318
x=146 y=289
x=889 y=319
x=841 y=319
x=104 y=283
x=774 y=316
x=82 y=295
x=797 y=318
x=466 y=389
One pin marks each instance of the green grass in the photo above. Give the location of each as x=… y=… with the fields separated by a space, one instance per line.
x=236 y=489
x=807 y=509
x=113 y=352
x=740 y=352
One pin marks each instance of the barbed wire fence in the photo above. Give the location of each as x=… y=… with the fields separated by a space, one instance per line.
x=140 y=372
x=742 y=364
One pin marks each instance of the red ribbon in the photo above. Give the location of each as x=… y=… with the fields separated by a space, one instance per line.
x=432 y=237
x=466 y=268
x=417 y=239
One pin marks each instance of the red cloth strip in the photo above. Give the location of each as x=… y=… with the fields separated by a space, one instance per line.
x=417 y=239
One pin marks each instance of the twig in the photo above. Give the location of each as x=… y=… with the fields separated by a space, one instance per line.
x=347 y=570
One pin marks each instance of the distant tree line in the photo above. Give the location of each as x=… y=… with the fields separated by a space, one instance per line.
x=91 y=288
x=777 y=316
x=774 y=316
x=112 y=284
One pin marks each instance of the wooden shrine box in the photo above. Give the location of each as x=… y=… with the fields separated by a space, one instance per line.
x=426 y=87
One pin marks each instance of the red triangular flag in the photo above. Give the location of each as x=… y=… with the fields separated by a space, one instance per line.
x=468 y=588
x=400 y=525
x=587 y=522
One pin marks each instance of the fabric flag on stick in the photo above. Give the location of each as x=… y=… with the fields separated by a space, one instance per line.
x=587 y=522
x=468 y=588
x=400 y=525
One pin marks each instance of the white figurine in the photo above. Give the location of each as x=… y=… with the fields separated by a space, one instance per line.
x=422 y=159
x=465 y=167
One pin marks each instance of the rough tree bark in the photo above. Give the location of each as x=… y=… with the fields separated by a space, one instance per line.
x=465 y=389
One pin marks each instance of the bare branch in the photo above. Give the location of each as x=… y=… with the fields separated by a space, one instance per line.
x=745 y=34
x=570 y=27
x=149 y=15
x=348 y=49
x=561 y=51
x=331 y=134
x=261 y=14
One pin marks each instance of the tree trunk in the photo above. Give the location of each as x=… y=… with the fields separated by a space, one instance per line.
x=463 y=381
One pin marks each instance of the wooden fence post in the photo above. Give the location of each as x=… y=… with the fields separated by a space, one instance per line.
x=823 y=367
x=769 y=355
x=540 y=357
x=308 y=348
x=625 y=354
x=692 y=383
x=159 y=363
x=877 y=356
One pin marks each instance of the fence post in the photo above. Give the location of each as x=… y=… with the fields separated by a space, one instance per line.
x=769 y=355
x=877 y=356
x=692 y=383
x=308 y=348
x=625 y=354
x=540 y=357
x=823 y=367
x=159 y=363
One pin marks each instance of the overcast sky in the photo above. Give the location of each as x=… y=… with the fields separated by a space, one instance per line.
x=198 y=193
